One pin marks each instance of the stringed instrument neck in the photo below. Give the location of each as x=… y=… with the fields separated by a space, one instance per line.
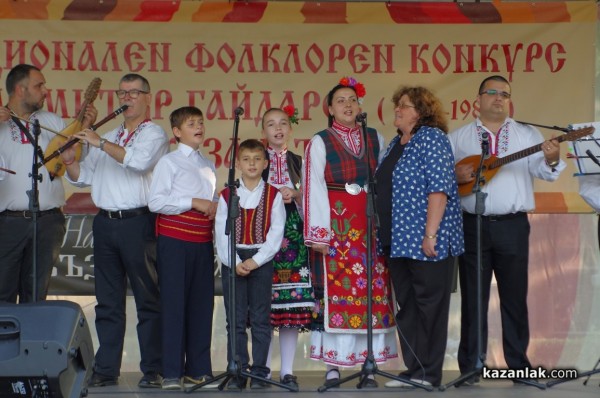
x=55 y=166
x=498 y=162
x=492 y=165
x=90 y=96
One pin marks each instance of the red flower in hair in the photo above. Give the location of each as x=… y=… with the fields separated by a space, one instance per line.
x=292 y=113
x=360 y=90
x=358 y=87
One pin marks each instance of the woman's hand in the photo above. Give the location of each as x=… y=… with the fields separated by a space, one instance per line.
x=428 y=246
x=324 y=249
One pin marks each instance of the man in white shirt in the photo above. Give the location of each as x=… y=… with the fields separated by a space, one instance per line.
x=26 y=87
x=505 y=226
x=119 y=170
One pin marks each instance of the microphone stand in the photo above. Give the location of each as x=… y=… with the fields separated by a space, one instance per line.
x=563 y=129
x=369 y=366
x=479 y=210
x=33 y=194
x=234 y=366
x=34 y=203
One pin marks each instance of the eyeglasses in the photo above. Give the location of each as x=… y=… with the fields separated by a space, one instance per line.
x=404 y=106
x=132 y=93
x=503 y=94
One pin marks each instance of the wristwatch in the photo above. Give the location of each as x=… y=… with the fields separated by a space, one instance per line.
x=553 y=164
x=102 y=142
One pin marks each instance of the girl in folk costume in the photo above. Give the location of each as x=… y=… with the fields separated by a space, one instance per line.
x=334 y=201
x=293 y=297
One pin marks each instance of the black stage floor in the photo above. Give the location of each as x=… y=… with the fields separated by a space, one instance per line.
x=310 y=381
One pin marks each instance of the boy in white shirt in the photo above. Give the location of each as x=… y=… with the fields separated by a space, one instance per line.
x=258 y=232
x=183 y=193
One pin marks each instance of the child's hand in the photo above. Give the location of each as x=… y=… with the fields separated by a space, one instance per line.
x=212 y=210
x=250 y=265
x=202 y=205
x=244 y=268
x=240 y=269
x=289 y=194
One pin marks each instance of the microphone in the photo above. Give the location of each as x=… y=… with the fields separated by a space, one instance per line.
x=361 y=117
x=485 y=145
x=238 y=111
x=592 y=157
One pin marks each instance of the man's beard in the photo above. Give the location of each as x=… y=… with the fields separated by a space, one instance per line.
x=32 y=107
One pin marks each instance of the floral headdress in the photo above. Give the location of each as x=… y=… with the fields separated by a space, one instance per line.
x=358 y=87
x=292 y=113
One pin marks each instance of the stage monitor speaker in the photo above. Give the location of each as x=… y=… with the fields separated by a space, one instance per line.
x=46 y=350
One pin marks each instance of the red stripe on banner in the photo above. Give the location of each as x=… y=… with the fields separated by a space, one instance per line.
x=211 y=12
x=550 y=12
x=445 y=13
x=417 y=13
x=157 y=10
x=481 y=13
x=246 y=12
x=324 y=12
x=84 y=10
x=408 y=13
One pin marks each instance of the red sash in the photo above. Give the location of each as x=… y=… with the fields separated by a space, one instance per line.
x=191 y=226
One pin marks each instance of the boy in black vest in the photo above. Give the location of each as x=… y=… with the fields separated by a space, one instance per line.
x=258 y=235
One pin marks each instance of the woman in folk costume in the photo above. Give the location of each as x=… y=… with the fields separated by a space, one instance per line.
x=293 y=298
x=335 y=227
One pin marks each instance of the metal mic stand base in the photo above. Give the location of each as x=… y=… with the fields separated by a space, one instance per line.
x=587 y=374
x=369 y=368
x=234 y=370
x=458 y=382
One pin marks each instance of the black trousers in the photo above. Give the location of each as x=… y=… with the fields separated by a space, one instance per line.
x=186 y=279
x=16 y=255
x=126 y=248
x=422 y=290
x=505 y=254
x=252 y=307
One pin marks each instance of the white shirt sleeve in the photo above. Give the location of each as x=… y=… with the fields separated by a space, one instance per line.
x=315 y=198
x=161 y=198
x=143 y=155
